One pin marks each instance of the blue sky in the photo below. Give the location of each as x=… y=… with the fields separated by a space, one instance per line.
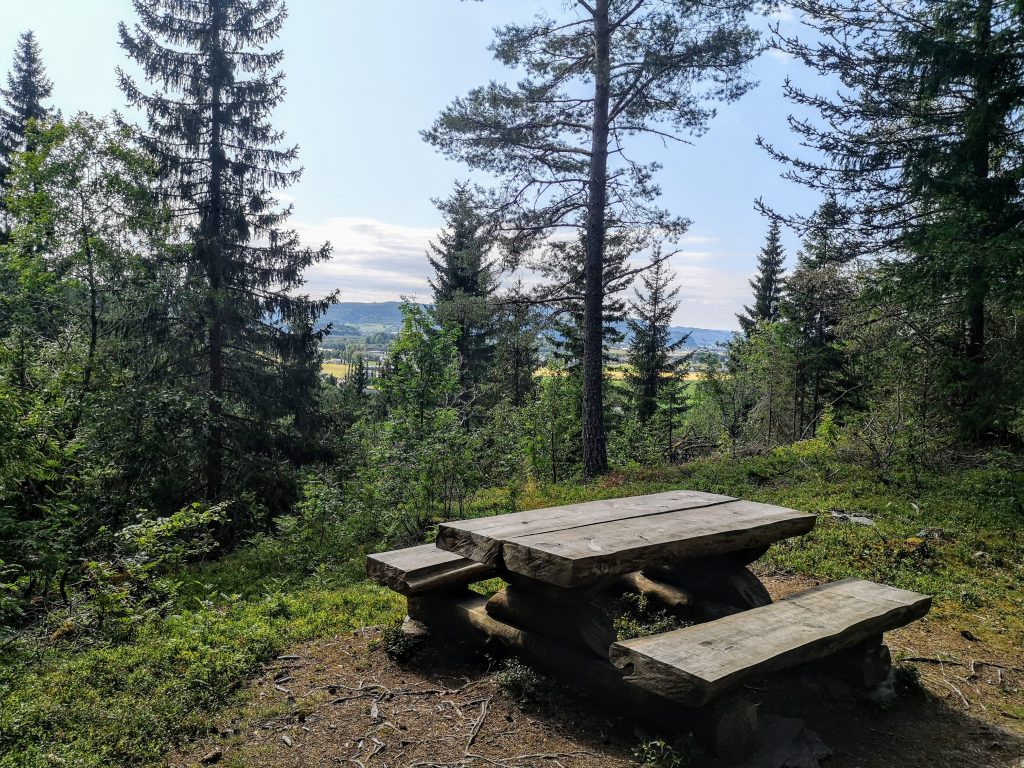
x=364 y=78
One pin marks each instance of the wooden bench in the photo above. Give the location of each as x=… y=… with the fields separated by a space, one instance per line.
x=418 y=570
x=697 y=664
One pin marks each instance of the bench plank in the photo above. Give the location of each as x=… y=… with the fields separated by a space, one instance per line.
x=481 y=539
x=588 y=554
x=695 y=664
x=425 y=568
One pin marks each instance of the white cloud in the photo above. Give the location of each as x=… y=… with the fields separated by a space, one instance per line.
x=377 y=261
x=372 y=260
x=710 y=297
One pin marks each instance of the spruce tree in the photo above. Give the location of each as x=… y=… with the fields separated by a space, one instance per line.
x=768 y=283
x=564 y=268
x=27 y=89
x=516 y=351
x=463 y=283
x=816 y=294
x=924 y=141
x=650 y=350
x=255 y=353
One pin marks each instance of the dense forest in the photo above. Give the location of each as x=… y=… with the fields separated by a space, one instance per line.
x=162 y=405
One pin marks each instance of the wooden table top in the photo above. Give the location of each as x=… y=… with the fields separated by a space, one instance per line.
x=584 y=544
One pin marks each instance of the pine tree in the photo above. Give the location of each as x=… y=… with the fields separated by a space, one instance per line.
x=463 y=283
x=768 y=283
x=27 y=88
x=209 y=130
x=650 y=350
x=588 y=82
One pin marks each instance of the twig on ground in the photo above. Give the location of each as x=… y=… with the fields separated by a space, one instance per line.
x=484 y=704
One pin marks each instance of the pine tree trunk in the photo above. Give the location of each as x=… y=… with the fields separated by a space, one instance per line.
x=595 y=456
x=213 y=243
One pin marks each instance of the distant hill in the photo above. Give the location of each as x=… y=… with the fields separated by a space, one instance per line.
x=385 y=315
x=701 y=337
x=359 y=313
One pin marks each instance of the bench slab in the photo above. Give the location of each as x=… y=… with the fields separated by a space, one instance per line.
x=696 y=664
x=417 y=570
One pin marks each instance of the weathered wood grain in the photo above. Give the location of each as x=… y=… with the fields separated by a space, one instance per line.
x=426 y=568
x=667 y=596
x=481 y=539
x=697 y=664
x=602 y=551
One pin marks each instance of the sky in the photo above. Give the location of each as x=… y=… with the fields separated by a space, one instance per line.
x=364 y=78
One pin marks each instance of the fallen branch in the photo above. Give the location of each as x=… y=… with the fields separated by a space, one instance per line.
x=484 y=705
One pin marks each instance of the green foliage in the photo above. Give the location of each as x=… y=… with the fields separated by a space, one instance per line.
x=768 y=283
x=641 y=619
x=112 y=596
x=86 y=414
x=658 y=753
x=125 y=704
x=553 y=430
x=650 y=350
x=27 y=87
x=931 y=100
x=463 y=284
x=520 y=682
x=400 y=646
x=248 y=347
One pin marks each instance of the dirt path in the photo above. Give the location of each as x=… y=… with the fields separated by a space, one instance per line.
x=345 y=702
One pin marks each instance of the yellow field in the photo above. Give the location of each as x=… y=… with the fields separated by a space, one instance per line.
x=341 y=370
x=619 y=372
x=338 y=370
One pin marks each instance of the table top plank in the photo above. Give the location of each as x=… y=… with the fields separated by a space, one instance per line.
x=591 y=553
x=697 y=663
x=481 y=538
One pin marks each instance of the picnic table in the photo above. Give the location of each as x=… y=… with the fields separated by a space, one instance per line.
x=570 y=570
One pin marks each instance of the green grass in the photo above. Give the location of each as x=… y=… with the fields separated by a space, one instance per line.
x=126 y=704
x=103 y=704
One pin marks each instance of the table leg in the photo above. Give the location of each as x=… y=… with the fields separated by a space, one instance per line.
x=718 y=586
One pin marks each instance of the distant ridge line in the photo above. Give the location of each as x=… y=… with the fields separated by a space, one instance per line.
x=387 y=313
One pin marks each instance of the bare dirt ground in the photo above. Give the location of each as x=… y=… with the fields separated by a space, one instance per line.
x=345 y=702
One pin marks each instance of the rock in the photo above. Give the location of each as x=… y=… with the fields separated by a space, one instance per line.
x=931 y=533
x=211 y=757
x=968 y=635
x=848 y=518
x=286 y=739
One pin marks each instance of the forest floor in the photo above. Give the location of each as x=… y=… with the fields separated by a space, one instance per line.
x=344 y=701
x=205 y=675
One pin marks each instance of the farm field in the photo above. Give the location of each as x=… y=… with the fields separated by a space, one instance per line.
x=338 y=370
